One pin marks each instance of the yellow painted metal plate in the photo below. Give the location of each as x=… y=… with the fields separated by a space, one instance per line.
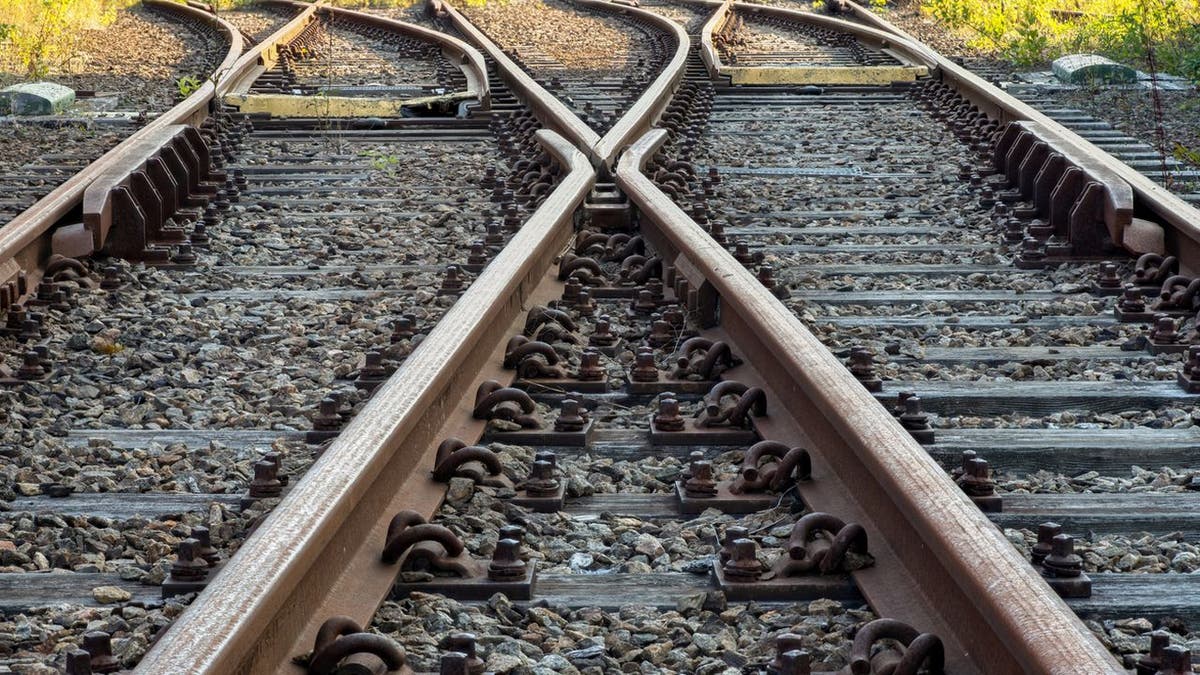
x=283 y=105
x=867 y=75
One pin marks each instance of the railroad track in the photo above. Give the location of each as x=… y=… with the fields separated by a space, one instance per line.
x=583 y=359
x=45 y=153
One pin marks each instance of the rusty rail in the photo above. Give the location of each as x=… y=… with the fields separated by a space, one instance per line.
x=551 y=112
x=902 y=48
x=265 y=606
x=24 y=241
x=601 y=151
x=1183 y=235
x=457 y=51
x=991 y=604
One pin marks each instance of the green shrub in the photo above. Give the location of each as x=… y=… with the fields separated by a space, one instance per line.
x=1033 y=31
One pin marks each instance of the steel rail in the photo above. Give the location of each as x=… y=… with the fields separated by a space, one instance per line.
x=23 y=239
x=266 y=604
x=457 y=51
x=1183 y=235
x=1001 y=616
x=904 y=47
x=645 y=111
x=551 y=112
x=265 y=55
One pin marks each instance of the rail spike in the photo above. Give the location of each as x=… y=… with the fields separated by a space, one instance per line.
x=790 y=465
x=341 y=640
x=720 y=411
x=703 y=359
x=457 y=459
x=494 y=401
x=905 y=653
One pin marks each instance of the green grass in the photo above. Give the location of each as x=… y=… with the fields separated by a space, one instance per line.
x=1159 y=34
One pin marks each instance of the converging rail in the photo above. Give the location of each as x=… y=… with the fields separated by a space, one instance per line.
x=644 y=294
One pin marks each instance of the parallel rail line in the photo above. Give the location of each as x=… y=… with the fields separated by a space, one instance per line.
x=940 y=565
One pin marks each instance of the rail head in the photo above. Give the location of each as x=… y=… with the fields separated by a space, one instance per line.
x=708 y=52
x=1182 y=217
x=20 y=238
x=251 y=615
x=552 y=113
x=991 y=596
x=468 y=59
x=646 y=110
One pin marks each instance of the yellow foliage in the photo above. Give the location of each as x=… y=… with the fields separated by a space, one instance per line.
x=1166 y=32
x=38 y=34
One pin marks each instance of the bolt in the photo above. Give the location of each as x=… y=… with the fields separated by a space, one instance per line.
x=791 y=662
x=372 y=368
x=199 y=234
x=700 y=481
x=1176 y=659
x=977 y=479
x=668 y=418
x=1164 y=332
x=30 y=329
x=602 y=336
x=741 y=253
x=732 y=534
x=266 y=481
x=1046 y=534
x=403 y=329
x=541 y=481
x=79 y=662
x=571 y=419
x=514 y=532
x=452 y=283
x=327 y=417
x=571 y=290
x=914 y=417
x=98 y=645
x=589 y=366
x=1062 y=561
x=492 y=236
x=644 y=304
x=204 y=547
x=585 y=306
x=184 y=255
x=465 y=644
x=743 y=562
x=660 y=334
x=1132 y=301
x=655 y=286
x=1107 y=278
x=478 y=255
x=862 y=366
x=506 y=564
x=766 y=275
x=453 y=663
x=644 y=369
x=111 y=280
x=31 y=368
x=188 y=566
